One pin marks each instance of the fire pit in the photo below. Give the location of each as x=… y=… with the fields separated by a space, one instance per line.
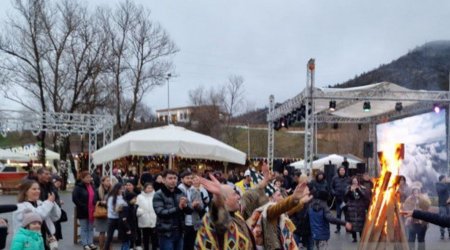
x=383 y=228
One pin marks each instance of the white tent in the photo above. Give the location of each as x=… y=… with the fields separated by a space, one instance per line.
x=32 y=152
x=319 y=163
x=9 y=155
x=168 y=140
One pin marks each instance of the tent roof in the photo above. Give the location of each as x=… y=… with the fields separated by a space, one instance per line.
x=168 y=140
x=32 y=152
x=333 y=158
x=9 y=155
x=353 y=109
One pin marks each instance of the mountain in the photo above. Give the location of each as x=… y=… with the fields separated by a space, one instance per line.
x=426 y=67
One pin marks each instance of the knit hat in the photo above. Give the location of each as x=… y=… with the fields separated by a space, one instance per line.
x=29 y=216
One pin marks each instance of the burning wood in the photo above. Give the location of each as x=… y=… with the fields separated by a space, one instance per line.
x=383 y=228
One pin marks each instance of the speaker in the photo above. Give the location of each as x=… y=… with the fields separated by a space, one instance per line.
x=361 y=168
x=330 y=172
x=368 y=149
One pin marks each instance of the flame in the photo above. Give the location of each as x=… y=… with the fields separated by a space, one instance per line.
x=390 y=161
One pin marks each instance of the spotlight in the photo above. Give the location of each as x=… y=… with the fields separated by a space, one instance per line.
x=366 y=106
x=282 y=122
x=398 y=106
x=332 y=106
x=301 y=113
x=436 y=108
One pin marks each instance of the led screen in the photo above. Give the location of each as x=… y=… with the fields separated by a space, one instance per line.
x=424 y=137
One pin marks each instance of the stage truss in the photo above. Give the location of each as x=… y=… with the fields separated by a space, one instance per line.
x=96 y=126
x=423 y=101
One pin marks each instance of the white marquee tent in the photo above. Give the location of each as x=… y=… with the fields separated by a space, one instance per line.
x=9 y=155
x=32 y=152
x=168 y=140
x=319 y=163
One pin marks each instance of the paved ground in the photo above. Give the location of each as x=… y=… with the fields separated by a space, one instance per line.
x=337 y=241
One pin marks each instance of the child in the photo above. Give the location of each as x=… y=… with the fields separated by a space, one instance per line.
x=29 y=236
x=320 y=218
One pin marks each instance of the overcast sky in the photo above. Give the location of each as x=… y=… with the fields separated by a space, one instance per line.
x=270 y=42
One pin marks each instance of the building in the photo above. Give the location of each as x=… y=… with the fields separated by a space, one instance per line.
x=178 y=115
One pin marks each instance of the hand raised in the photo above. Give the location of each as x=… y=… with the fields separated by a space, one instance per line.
x=212 y=186
x=51 y=197
x=301 y=190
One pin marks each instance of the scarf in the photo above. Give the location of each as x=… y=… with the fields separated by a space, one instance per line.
x=234 y=238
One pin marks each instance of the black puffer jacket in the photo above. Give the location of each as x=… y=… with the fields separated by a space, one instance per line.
x=356 y=210
x=339 y=186
x=80 y=199
x=170 y=217
x=320 y=185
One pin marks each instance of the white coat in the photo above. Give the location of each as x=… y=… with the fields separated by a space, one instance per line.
x=49 y=212
x=145 y=213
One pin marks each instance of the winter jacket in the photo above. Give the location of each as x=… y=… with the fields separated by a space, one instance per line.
x=356 y=208
x=49 y=212
x=241 y=187
x=27 y=239
x=80 y=199
x=127 y=225
x=320 y=218
x=193 y=219
x=113 y=211
x=46 y=189
x=440 y=220
x=170 y=217
x=301 y=222
x=145 y=212
x=442 y=190
x=320 y=185
x=339 y=186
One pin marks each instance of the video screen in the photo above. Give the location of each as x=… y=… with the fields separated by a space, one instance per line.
x=424 y=137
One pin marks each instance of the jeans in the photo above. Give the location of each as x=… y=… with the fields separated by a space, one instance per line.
x=86 y=232
x=418 y=231
x=444 y=211
x=174 y=242
x=125 y=245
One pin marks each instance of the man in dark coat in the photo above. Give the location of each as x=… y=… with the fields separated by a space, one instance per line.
x=170 y=206
x=339 y=186
x=443 y=190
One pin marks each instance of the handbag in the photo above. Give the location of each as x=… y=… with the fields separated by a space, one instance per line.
x=100 y=211
x=63 y=217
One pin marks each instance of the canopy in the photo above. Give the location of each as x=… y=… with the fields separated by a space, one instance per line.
x=333 y=158
x=9 y=155
x=168 y=140
x=32 y=152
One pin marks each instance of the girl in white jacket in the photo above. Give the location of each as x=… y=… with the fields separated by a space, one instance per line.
x=147 y=216
x=28 y=199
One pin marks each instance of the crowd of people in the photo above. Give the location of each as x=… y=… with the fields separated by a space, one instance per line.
x=212 y=210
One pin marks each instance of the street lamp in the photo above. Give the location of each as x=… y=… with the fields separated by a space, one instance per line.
x=168 y=99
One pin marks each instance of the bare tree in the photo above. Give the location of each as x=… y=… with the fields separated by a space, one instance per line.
x=140 y=58
x=207 y=114
x=233 y=101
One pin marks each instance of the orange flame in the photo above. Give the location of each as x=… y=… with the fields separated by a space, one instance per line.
x=390 y=161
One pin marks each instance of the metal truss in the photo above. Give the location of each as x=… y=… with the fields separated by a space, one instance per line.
x=424 y=101
x=62 y=123
x=270 y=135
